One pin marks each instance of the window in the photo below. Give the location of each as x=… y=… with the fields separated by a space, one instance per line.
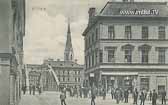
x=111 y=55
x=68 y=72
x=162 y=32
x=75 y=72
x=111 y=33
x=63 y=72
x=96 y=33
x=78 y=72
x=63 y=79
x=161 y=56
x=144 y=32
x=68 y=79
x=78 y=79
x=145 y=55
x=89 y=40
x=92 y=59
x=75 y=79
x=96 y=55
x=128 y=32
x=128 y=55
x=93 y=38
x=101 y=56
x=144 y=83
x=89 y=61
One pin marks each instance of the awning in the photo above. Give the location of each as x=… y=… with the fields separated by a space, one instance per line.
x=119 y=73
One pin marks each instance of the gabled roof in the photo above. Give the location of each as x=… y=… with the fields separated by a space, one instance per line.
x=114 y=8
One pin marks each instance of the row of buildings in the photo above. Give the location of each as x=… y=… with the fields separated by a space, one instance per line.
x=126 y=46
x=63 y=73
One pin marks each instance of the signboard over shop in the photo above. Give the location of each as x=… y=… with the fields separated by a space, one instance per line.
x=139 y=12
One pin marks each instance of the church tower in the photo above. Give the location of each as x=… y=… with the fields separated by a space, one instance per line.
x=68 y=52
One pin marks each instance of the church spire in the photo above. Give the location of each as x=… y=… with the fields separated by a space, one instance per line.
x=68 y=53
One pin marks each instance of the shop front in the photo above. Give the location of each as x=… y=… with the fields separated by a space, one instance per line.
x=118 y=80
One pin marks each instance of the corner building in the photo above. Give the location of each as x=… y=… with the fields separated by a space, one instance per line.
x=126 y=46
x=12 y=32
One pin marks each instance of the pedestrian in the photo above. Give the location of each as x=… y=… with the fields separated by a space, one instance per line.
x=164 y=97
x=24 y=89
x=93 y=95
x=104 y=94
x=39 y=89
x=150 y=95
x=80 y=91
x=135 y=95
x=34 y=89
x=30 y=89
x=121 y=94
x=154 y=97
x=126 y=94
x=63 y=97
x=142 y=98
x=112 y=93
x=117 y=96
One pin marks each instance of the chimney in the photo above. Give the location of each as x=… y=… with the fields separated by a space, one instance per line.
x=92 y=12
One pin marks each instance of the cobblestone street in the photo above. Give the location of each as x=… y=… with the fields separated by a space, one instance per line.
x=52 y=98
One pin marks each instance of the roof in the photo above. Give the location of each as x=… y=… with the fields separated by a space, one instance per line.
x=33 y=65
x=63 y=64
x=131 y=9
x=115 y=9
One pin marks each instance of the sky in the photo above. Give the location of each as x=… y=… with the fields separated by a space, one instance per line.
x=46 y=27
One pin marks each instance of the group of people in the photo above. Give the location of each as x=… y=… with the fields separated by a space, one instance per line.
x=121 y=95
x=32 y=89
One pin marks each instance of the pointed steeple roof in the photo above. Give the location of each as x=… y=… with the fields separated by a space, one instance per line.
x=68 y=41
x=68 y=53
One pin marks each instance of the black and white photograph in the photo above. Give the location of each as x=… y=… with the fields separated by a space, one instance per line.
x=83 y=52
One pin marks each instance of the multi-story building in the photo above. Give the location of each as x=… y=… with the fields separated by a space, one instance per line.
x=126 y=46
x=12 y=31
x=68 y=72
x=34 y=74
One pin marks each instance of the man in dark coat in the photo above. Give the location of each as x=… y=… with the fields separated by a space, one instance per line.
x=135 y=95
x=30 y=89
x=164 y=97
x=112 y=93
x=93 y=95
x=126 y=94
x=34 y=89
x=150 y=96
x=142 y=98
x=63 y=97
x=104 y=94
x=154 y=97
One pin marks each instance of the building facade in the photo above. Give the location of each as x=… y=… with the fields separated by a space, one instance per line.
x=34 y=74
x=69 y=74
x=126 y=46
x=12 y=29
